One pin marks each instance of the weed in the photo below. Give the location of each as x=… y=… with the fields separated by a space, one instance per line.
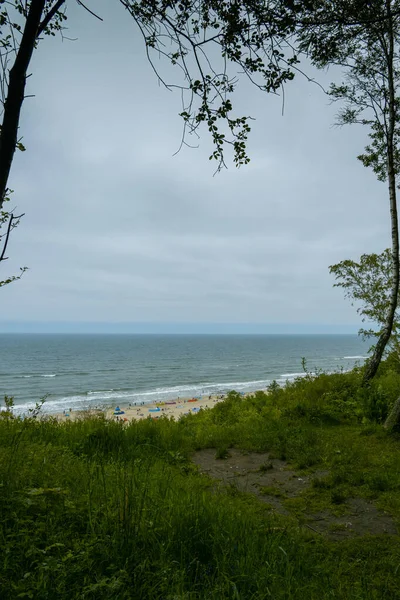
x=267 y=466
x=324 y=483
x=337 y=527
x=338 y=496
x=222 y=452
x=271 y=491
x=379 y=482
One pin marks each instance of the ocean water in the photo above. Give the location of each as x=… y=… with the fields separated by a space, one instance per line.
x=87 y=371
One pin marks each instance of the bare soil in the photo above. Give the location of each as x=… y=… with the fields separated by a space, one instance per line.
x=273 y=481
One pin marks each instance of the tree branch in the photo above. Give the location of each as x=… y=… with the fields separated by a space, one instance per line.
x=88 y=9
x=9 y=229
x=16 y=90
x=49 y=16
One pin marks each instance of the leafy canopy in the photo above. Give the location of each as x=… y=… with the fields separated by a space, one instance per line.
x=368 y=282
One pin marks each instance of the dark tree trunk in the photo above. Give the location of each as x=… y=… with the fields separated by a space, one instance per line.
x=16 y=93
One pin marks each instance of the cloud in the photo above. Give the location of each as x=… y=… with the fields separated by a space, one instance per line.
x=119 y=229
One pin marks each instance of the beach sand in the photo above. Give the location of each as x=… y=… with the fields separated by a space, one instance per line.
x=173 y=408
x=181 y=407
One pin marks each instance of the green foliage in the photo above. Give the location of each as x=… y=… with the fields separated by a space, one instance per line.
x=250 y=38
x=364 y=40
x=369 y=282
x=75 y=527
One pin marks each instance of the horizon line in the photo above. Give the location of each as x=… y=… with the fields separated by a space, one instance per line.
x=174 y=328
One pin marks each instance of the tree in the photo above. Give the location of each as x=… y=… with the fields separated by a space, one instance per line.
x=365 y=43
x=17 y=43
x=368 y=283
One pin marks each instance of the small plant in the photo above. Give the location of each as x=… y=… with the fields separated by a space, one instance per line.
x=338 y=497
x=222 y=452
x=233 y=490
x=271 y=491
x=337 y=527
x=267 y=466
x=35 y=412
x=322 y=483
x=369 y=429
x=379 y=483
x=273 y=387
x=9 y=404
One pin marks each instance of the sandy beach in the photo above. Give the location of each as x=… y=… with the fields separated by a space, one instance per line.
x=173 y=408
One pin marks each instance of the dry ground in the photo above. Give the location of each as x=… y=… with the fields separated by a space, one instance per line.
x=273 y=481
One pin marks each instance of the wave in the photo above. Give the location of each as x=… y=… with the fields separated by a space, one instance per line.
x=62 y=374
x=206 y=386
x=101 y=398
x=353 y=357
x=86 y=399
x=294 y=375
x=36 y=375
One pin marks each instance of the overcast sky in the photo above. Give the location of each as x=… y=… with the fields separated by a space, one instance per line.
x=117 y=229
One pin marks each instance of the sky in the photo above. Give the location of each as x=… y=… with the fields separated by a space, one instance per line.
x=122 y=234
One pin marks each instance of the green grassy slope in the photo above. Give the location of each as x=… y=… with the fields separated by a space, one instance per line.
x=98 y=510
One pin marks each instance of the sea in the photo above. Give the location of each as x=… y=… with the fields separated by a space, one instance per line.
x=81 y=372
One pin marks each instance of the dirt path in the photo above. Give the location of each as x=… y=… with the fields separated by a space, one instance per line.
x=274 y=482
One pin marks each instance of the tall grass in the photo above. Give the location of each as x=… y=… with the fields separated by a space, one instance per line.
x=97 y=510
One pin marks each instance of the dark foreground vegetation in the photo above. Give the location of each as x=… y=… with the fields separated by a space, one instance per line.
x=97 y=510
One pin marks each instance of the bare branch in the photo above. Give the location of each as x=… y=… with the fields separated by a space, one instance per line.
x=9 y=229
x=89 y=11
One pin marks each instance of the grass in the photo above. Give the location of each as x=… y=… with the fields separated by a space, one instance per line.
x=271 y=491
x=97 y=510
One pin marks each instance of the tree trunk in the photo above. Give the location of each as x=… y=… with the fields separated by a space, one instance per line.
x=393 y=418
x=16 y=93
x=374 y=362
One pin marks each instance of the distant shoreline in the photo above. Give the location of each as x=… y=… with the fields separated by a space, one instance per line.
x=85 y=372
x=171 y=409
